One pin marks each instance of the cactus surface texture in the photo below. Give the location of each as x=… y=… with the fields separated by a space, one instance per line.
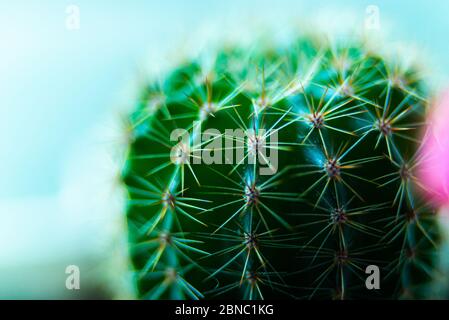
x=320 y=185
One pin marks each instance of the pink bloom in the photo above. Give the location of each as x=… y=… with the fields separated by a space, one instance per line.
x=434 y=167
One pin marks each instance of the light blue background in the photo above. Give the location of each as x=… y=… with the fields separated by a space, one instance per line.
x=56 y=85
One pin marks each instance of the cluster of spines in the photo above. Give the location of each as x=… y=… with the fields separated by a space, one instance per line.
x=317 y=91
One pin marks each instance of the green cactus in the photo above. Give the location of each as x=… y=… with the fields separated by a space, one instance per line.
x=320 y=185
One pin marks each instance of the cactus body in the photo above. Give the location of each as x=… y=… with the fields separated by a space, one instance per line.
x=319 y=186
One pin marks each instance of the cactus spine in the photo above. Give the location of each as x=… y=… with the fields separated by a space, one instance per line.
x=318 y=187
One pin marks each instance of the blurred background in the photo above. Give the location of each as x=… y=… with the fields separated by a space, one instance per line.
x=67 y=75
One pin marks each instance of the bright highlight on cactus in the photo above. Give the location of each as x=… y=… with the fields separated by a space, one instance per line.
x=280 y=172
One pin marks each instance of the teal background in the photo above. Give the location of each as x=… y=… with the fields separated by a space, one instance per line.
x=59 y=89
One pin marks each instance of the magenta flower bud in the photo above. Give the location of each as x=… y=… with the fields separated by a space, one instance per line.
x=434 y=167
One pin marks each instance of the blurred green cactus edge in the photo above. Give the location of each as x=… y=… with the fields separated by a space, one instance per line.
x=281 y=172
